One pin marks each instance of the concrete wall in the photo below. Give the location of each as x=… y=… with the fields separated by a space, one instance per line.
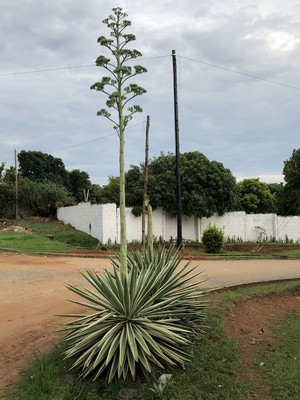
x=102 y=221
x=98 y=220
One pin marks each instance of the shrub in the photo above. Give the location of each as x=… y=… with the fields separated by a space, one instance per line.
x=42 y=198
x=213 y=239
x=7 y=200
x=140 y=320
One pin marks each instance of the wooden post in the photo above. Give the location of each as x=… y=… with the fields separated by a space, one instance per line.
x=145 y=182
x=17 y=186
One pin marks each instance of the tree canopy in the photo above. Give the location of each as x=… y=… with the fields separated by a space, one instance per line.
x=42 y=167
x=44 y=184
x=256 y=197
x=79 y=183
x=207 y=187
x=290 y=199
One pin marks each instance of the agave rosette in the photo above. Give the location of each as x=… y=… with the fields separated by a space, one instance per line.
x=140 y=319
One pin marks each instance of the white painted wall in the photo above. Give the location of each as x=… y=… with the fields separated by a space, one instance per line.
x=102 y=221
x=97 y=220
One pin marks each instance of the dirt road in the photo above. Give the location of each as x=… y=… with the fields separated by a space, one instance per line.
x=33 y=293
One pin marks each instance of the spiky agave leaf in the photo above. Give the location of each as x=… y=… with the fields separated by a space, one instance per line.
x=173 y=280
x=137 y=320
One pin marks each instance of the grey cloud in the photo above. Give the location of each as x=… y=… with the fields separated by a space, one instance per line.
x=249 y=125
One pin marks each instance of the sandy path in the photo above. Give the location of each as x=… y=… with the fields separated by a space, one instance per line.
x=33 y=292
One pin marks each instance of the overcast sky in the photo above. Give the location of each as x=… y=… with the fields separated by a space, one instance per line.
x=250 y=125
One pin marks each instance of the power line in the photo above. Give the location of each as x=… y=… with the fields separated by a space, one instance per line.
x=35 y=71
x=94 y=140
x=240 y=73
x=88 y=142
x=153 y=58
x=47 y=70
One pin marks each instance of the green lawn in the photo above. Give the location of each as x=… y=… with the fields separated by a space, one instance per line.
x=45 y=237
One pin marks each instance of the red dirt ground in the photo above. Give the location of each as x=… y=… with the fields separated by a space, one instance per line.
x=250 y=324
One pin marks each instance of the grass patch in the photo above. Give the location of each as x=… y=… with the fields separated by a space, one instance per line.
x=48 y=379
x=65 y=238
x=289 y=253
x=282 y=360
x=31 y=243
x=232 y=296
x=212 y=374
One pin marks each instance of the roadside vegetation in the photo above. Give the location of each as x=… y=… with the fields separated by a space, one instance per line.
x=212 y=374
x=36 y=236
x=42 y=235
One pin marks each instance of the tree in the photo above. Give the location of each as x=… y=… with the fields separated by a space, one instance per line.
x=7 y=199
x=42 y=198
x=207 y=187
x=9 y=175
x=290 y=199
x=110 y=193
x=277 y=190
x=78 y=182
x=119 y=94
x=2 y=169
x=256 y=197
x=7 y=191
x=42 y=167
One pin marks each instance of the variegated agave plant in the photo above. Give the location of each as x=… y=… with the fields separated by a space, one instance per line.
x=139 y=319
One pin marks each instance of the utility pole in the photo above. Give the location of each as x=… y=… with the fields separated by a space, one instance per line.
x=145 y=182
x=17 y=186
x=177 y=154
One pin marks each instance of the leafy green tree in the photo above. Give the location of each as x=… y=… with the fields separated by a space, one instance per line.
x=42 y=198
x=119 y=93
x=256 y=197
x=290 y=196
x=95 y=194
x=277 y=190
x=9 y=175
x=7 y=193
x=207 y=187
x=291 y=169
x=42 y=167
x=110 y=193
x=7 y=200
x=2 y=169
x=78 y=182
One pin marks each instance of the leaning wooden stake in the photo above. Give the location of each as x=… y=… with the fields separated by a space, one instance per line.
x=145 y=182
x=150 y=225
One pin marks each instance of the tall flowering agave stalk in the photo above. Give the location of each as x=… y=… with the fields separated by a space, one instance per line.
x=139 y=321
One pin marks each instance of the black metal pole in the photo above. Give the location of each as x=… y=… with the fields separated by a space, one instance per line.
x=177 y=155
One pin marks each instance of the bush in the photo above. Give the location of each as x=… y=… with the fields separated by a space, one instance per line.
x=42 y=198
x=213 y=239
x=141 y=321
x=7 y=200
